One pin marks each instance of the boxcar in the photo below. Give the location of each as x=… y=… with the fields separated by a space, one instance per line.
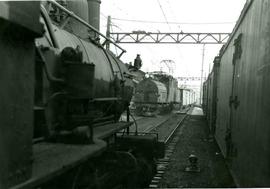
x=187 y=97
x=242 y=97
x=177 y=99
x=210 y=96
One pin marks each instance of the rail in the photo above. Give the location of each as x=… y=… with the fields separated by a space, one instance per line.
x=173 y=131
x=71 y=14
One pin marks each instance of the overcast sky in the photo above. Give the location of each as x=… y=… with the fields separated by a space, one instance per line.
x=220 y=16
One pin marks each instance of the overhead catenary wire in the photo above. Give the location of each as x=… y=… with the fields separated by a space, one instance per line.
x=171 y=10
x=112 y=23
x=178 y=25
x=169 y=22
x=165 y=17
x=116 y=23
x=164 y=14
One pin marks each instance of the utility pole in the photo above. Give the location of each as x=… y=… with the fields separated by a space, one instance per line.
x=108 y=32
x=209 y=68
x=201 y=90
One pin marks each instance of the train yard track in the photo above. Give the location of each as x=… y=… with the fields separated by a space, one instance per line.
x=169 y=132
x=168 y=128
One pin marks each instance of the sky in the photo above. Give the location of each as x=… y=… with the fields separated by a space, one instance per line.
x=191 y=16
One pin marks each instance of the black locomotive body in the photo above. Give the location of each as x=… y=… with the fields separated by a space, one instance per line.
x=236 y=97
x=83 y=77
x=62 y=96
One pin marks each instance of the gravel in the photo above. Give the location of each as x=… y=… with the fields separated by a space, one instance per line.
x=213 y=170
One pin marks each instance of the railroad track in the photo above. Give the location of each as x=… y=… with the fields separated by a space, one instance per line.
x=170 y=142
x=149 y=130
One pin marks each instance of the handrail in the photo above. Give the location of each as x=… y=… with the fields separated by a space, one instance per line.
x=71 y=14
x=49 y=25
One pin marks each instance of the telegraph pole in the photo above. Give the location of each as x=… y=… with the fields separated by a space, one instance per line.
x=201 y=90
x=108 y=32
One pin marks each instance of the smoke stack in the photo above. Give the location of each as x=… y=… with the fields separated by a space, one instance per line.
x=94 y=14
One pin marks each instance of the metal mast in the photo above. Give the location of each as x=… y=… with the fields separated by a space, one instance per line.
x=201 y=89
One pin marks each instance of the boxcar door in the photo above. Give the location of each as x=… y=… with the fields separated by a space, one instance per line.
x=234 y=100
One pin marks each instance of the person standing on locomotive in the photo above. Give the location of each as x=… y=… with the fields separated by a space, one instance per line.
x=138 y=62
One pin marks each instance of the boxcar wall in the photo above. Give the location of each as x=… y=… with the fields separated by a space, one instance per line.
x=210 y=96
x=243 y=106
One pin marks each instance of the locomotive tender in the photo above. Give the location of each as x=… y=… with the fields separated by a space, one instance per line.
x=236 y=97
x=61 y=99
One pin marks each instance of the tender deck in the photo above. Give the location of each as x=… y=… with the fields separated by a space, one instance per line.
x=53 y=159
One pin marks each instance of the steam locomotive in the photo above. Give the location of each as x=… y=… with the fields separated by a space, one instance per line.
x=61 y=99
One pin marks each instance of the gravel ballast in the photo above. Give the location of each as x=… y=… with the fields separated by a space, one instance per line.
x=194 y=140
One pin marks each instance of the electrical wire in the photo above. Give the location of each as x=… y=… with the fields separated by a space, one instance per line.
x=167 y=22
x=164 y=14
x=113 y=24
x=171 y=10
x=102 y=14
x=165 y=17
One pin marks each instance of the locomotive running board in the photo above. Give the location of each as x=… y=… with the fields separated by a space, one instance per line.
x=53 y=159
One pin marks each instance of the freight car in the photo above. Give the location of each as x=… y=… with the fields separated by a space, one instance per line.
x=62 y=96
x=187 y=97
x=236 y=97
